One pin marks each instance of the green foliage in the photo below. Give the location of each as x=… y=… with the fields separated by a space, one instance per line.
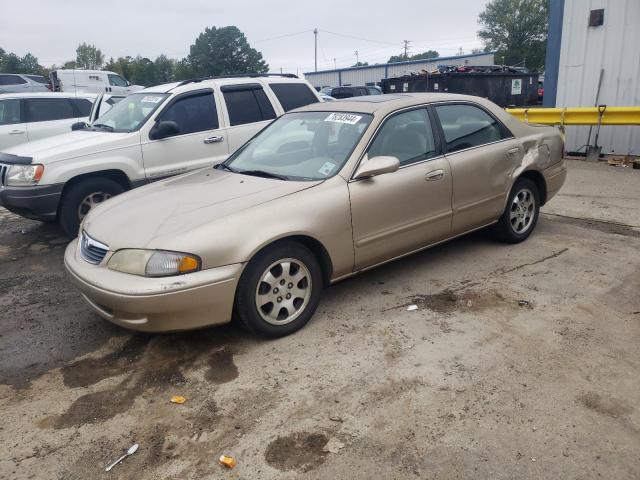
x=224 y=51
x=360 y=64
x=418 y=56
x=11 y=63
x=517 y=30
x=89 y=57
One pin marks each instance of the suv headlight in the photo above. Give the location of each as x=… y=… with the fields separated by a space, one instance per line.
x=153 y=263
x=23 y=175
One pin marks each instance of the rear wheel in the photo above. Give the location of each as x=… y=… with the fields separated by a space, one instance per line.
x=279 y=290
x=521 y=213
x=81 y=198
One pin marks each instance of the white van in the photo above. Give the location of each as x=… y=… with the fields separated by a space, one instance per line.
x=159 y=132
x=91 y=81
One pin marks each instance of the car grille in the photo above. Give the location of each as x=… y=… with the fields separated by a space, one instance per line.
x=92 y=250
x=3 y=173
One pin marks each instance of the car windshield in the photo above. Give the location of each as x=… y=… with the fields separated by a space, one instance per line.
x=301 y=146
x=129 y=113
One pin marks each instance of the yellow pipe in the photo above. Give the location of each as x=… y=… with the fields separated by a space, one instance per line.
x=578 y=115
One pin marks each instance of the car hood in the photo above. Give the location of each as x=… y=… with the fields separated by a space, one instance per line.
x=180 y=205
x=73 y=144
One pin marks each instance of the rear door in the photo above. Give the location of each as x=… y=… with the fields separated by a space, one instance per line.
x=397 y=213
x=13 y=128
x=248 y=110
x=48 y=116
x=483 y=155
x=293 y=95
x=201 y=140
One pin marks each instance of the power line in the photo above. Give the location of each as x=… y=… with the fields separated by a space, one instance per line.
x=359 y=38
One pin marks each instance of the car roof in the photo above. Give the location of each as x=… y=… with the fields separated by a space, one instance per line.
x=179 y=87
x=90 y=96
x=383 y=104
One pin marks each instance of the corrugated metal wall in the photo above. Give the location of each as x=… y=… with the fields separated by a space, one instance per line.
x=375 y=73
x=585 y=50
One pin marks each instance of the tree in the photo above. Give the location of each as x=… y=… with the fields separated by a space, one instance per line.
x=89 y=57
x=224 y=51
x=143 y=72
x=29 y=64
x=165 y=69
x=516 y=30
x=418 y=56
x=360 y=64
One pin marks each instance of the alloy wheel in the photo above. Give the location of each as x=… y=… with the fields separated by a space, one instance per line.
x=90 y=201
x=522 y=211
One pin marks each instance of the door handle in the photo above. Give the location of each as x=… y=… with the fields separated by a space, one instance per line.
x=512 y=152
x=16 y=132
x=213 y=140
x=434 y=175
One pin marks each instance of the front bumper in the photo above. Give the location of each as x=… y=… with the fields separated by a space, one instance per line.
x=164 y=304
x=39 y=202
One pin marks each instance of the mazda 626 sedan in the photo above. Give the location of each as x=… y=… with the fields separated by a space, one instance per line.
x=321 y=194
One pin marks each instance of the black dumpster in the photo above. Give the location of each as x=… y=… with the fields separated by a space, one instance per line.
x=503 y=88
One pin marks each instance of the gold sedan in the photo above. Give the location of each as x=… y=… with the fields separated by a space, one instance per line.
x=323 y=193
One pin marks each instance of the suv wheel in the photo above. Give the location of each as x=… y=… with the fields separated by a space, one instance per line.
x=521 y=213
x=279 y=290
x=81 y=198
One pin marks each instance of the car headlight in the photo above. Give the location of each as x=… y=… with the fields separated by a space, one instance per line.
x=23 y=175
x=153 y=263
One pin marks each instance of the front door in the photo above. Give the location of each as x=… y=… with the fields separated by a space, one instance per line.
x=200 y=141
x=483 y=155
x=397 y=213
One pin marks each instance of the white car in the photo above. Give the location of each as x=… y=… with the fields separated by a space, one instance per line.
x=91 y=81
x=21 y=83
x=26 y=117
x=149 y=135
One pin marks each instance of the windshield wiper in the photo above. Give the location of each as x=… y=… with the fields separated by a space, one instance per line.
x=224 y=166
x=102 y=126
x=262 y=173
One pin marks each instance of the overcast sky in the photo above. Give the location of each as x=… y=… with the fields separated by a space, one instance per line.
x=280 y=29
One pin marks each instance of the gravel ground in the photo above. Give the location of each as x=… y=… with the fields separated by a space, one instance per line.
x=520 y=362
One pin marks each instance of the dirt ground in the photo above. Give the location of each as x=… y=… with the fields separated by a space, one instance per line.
x=520 y=362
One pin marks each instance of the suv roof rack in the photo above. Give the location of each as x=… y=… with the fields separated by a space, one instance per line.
x=240 y=75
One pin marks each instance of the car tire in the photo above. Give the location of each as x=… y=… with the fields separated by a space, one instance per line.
x=271 y=302
x=520 y=216
x=81 y=197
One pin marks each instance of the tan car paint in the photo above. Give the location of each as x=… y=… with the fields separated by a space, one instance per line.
x=227 y=218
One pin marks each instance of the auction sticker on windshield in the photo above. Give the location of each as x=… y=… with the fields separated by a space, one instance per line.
x=327 y=168
x=151 y=99
x=348 y=118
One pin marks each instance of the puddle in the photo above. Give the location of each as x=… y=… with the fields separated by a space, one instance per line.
x=300 y=451
x=449 y=301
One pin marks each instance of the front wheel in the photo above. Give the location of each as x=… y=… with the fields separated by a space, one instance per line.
x=81 y=198
x=521 y=213
x=279 y=290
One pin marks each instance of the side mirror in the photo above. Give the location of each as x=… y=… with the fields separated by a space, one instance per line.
x=78 y=126
x=164 y=129
x=377 y=166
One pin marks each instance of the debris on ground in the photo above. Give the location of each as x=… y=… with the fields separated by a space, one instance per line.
x=178 y=399
x=524 y=303
x=132 y=449
x=333 y=445
x=335 y=418
x=411 y=308
x=227 y=461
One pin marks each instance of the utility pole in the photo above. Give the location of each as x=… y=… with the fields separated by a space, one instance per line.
x=315 y=37
x=406 y=49
x=357 y=58
x=334 y=63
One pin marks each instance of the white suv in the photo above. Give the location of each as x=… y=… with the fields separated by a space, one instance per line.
x=26 y=117
x=152 y=134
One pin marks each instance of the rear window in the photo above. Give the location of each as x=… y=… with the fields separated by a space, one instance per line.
x=48 y=109
x=10 y=111
x=466 y=126
x=342 y=92
x=38 y=78
x=83 y=106
x=11 y=80
x=293 y=95
x=247 y=104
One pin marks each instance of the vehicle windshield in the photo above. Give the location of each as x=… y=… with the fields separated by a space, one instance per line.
x=302 y=146
x=130 y=113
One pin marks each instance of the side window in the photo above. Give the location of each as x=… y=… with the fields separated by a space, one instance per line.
x=247 y=104
x=196 y=113
x=48 y=109
x=11 y=80
x=362 y=91
x=293 y=95
x=407 y=136
x=467 y=126
x=83 y=106
x=10 y=111
x=117 y=80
